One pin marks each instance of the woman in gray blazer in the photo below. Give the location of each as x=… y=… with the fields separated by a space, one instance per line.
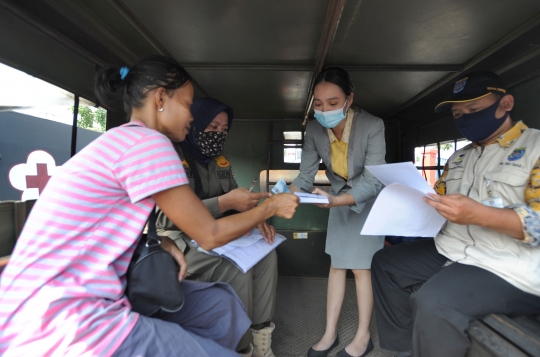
x=346 y=140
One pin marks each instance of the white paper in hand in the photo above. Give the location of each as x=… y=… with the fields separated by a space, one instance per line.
x=404 y=173
x=311 y=198
x=400 y=210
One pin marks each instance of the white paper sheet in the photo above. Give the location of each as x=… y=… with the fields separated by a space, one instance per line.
x=400 y=210
x=246 y=240
x=311 y=198
x=404 y=173
x=246 y=256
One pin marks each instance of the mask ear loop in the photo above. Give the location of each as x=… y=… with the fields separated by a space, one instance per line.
x=345 y=110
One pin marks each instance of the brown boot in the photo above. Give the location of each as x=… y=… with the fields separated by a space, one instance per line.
x=262 y=339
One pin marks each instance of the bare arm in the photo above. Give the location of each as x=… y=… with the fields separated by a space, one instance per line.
x=240 y=199
x=189 y=214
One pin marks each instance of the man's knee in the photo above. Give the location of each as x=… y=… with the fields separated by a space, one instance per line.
x=380 y=259
x=270 y=261
x=425 y=303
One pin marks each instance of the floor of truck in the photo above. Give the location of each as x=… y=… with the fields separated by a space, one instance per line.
x=301 y=313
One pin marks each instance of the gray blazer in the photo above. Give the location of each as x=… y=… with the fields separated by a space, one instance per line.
x=366 y=147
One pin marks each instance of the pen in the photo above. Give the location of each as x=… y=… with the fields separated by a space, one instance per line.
x=252 y=184
x=303 y=189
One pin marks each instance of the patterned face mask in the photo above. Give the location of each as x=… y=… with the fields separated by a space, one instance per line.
x=211 y=142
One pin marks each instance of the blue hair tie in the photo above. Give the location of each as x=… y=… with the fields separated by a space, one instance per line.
x=124 y=72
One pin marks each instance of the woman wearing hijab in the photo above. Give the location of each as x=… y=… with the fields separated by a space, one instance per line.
x=211 y=177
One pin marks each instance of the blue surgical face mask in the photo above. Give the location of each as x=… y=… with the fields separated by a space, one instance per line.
x=480 y=125
x=330 y=118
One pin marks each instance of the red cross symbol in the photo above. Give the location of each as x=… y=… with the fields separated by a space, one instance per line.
x=39 y=181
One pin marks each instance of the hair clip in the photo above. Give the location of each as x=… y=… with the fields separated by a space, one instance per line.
x=124 y=72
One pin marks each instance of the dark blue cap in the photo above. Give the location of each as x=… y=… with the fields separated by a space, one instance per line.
x=472 y=86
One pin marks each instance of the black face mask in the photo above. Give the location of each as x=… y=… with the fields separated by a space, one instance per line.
x=480 y=125
x=211 y=142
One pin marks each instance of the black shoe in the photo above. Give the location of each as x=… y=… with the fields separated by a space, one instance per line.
x=314 y=353
x=344 y=353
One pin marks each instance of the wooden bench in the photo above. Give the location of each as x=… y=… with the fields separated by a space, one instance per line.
x=504 y=336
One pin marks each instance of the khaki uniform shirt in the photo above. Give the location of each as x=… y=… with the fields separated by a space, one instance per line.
x=217 y=178
x=504 y=169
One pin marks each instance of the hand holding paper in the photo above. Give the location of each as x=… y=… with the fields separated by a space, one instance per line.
x=400 y=208
x=248 y=250
x=312 y=198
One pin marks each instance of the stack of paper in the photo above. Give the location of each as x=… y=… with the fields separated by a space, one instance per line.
x=400 y=209
x=247 y=251
x=311 y=198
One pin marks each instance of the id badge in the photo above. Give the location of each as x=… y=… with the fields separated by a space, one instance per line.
x=496 y=202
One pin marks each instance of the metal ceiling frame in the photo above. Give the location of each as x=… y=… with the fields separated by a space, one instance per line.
x=125 y=11
x=528 y=25
x=51 y=32
x=114 y=44
x=334 y=13
x=331 y=23
x=348 y=68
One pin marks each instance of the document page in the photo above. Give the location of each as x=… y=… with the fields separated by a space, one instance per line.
x=246 y=257
x=311 y=198
x=400 y=210
x=248 y=250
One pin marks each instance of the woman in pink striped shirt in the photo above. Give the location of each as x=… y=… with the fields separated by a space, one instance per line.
x=62 y=292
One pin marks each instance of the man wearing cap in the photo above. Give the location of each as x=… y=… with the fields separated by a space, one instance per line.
x=486 y=258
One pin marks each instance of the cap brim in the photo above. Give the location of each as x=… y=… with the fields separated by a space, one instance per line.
x=448 y=103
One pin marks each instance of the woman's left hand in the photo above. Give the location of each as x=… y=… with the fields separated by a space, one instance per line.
x=332 y=200
x=170 y=247
x=268 y=232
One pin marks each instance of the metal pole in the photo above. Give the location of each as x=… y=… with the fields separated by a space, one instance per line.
x=439 y=159
x=74 y=127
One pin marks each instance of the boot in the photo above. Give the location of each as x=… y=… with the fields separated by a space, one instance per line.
x=249 y=352
x=262 y=339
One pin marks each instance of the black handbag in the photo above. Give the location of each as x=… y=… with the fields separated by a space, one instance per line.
x=152 y=278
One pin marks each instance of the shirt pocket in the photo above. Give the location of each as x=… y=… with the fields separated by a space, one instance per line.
x=509 y=184
x=453 y=181
x=224 y=179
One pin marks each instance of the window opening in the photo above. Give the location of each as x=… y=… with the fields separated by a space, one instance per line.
x=34 y=114
x=431 y=158
x=292 y=146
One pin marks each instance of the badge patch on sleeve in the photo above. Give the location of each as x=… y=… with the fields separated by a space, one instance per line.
x=222 y=161
x=516 y=154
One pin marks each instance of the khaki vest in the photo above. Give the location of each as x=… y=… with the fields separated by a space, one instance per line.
x=509 y=169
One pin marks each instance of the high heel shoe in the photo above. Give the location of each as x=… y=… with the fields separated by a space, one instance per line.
x=314 y=353
x=344 y=353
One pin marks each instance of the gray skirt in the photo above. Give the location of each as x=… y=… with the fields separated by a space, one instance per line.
x=346 y=247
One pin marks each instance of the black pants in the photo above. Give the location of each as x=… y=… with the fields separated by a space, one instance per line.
x=433 y=321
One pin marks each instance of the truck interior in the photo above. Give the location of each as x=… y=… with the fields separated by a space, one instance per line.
x=261 y=57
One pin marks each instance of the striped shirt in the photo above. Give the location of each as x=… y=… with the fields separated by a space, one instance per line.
x=62 y=292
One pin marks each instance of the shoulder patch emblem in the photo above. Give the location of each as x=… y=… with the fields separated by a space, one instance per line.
x=184 y=162
x=222 y=161
x=458 y=87
x=516 y=154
